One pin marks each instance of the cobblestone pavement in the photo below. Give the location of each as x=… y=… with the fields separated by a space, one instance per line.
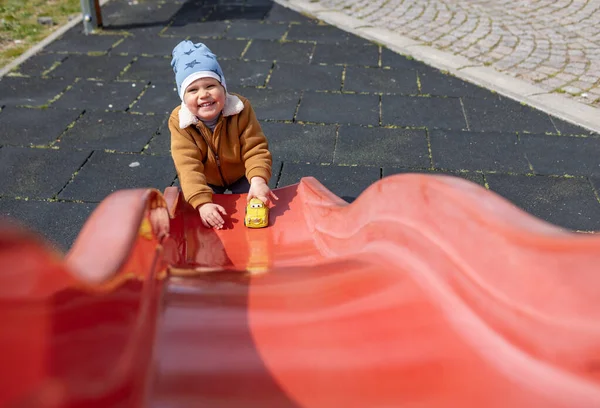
x=554 y=44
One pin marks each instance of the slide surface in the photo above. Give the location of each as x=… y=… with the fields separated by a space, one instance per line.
x=426 y=291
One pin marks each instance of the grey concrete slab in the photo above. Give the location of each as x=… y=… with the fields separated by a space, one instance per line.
x=32 y=91
x=57 y=223
x=27 y=126
x=245 y=73
x=104 y=173
x=256 y=30
x=323 y=34
x=504 y=115
x=106 y=67
x=378 y=80
x=293 y=52
x=183 y=29
x=489 y=151
x=562 y=155
x=276 y=168
x=394 y=60
x=146 y=69
x=566 y=202
x=239 y=12
x=271 y=104
x=100 y=95
x=140 y=45
x=73 y=41
x=313 y=77
x=439 y=84
x=160 y=144
x=302 y=143
x=382 y=147
x=222 y=48
x=471 y=176
x=278 y=13
x=347 y=182
x=363 y=55
x=37 y=173
x=118 y=131
x=39 y=63
x=158 y=98
x=566 y=128
x=596 y=185
x=339 y=108
x=430 y=112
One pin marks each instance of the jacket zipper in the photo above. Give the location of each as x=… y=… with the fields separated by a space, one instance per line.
x=216 y=157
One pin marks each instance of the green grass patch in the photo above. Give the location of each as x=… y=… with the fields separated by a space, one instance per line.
x=19 y=26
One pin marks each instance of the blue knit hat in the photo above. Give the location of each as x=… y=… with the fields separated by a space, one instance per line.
x=194 y=61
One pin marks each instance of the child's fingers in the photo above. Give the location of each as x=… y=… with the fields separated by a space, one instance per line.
x=221 y=209
x=272 y=194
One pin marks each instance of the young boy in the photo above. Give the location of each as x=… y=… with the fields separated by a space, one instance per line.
x=217 y=143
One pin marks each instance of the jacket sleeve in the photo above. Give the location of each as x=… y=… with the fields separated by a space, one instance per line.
x=187 y=157
x=254 y=146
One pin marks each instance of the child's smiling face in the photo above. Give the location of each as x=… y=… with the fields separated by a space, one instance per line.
x=205 y=98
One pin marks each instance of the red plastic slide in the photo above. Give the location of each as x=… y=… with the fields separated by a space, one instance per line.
x=427 y=291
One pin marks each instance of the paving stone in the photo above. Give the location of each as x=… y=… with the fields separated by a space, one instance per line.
x=99 y=95
x=146 y=12
x=245 y=73
x=276 y=168
x=272 y=104
x=155 y=69
x=566 y=128
x=377 y=80
x=504 y=115
x=140 y=45
x=301 y=143
x=438 y=84
x=238 y=12
x=37 y=173
x=159 y=98
x=395 y=60
x=106 y=67
x=40 y=62
x=223 y=48
x=563 y=154
x=182 y=29
x=75 y=41
x=56 y=223
x=492 y=151
x=566 y=202
x=313 y=77
x=352 y=108
x=417 y=112
x=256 y=30
x=33 y=91
x=468 y=175
x=26 y=126
x=190 y=13
x=122 y=132
x=596 y=184
x=160 y=144
x=382 y=147
x=322 y=34
x=347 y=182
x=293 y=52
x=278 y=13
x=104 y=173
x=363 y=55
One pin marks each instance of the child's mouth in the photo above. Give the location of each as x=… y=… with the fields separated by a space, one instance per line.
x=206 y=104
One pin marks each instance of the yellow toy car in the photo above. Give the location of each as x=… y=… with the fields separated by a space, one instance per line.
x=257 y=214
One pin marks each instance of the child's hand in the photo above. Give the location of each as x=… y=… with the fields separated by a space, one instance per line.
x=209 y=214
x=260 y=189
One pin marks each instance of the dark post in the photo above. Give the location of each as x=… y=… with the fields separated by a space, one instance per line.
x=92 y=16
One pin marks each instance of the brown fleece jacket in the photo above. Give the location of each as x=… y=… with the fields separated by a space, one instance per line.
x=237 y=139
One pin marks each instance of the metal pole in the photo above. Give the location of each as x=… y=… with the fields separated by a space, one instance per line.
x=92 y=16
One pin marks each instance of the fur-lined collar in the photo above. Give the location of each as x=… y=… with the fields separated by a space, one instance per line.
x=233 y=106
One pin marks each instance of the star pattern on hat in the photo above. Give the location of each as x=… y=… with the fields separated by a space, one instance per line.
x=188 y=52
x=209 y=55
x=191 y=64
